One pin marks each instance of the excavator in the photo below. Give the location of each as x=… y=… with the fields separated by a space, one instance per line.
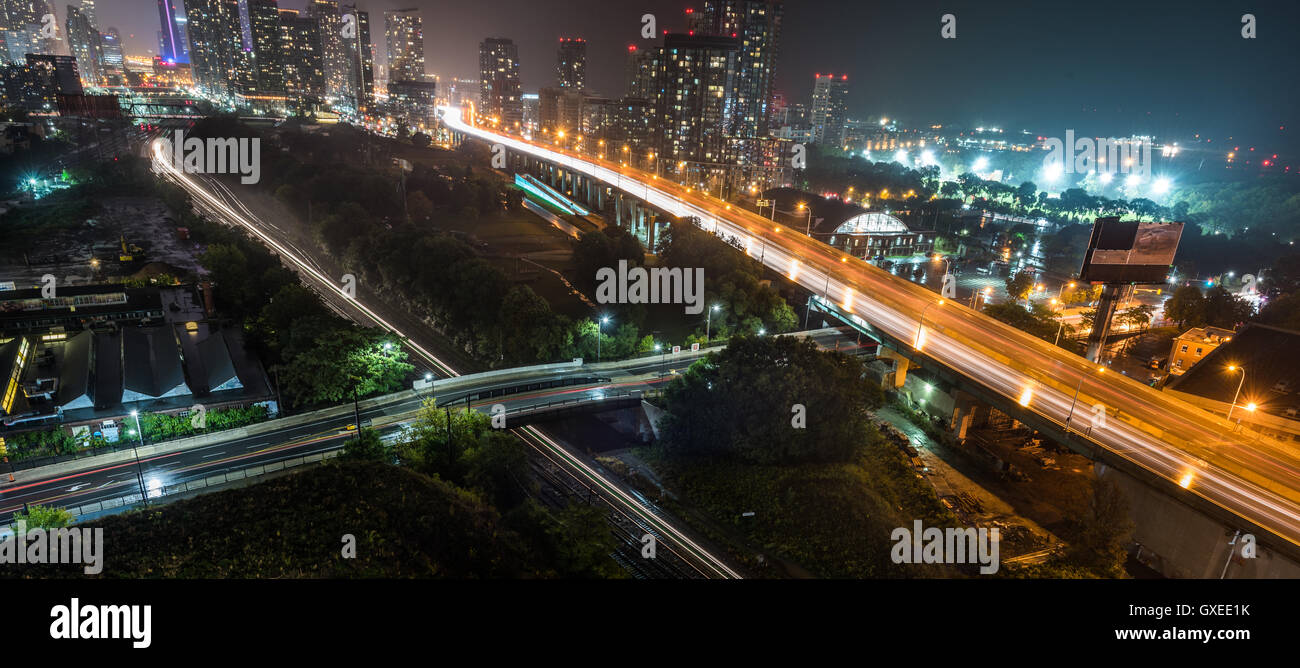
x=128 y=252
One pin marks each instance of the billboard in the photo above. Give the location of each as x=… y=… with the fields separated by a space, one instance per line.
x=1130 y=251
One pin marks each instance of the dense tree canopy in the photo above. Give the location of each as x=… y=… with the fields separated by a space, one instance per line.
x=770 y=400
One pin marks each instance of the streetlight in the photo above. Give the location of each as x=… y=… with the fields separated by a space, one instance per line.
x=808 y=229
x=1242 y=369
x=920 y=326
x=707 y=318
x=662 y=358
x=975 y=298
x=1060 y=294
x=1082 y=376
x=599 y=323
x=139 y=471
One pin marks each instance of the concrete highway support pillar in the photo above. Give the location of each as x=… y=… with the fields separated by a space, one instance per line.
x=967 y=412
x=901 y=365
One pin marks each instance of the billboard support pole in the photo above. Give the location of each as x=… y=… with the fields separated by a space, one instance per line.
x=1110 y=296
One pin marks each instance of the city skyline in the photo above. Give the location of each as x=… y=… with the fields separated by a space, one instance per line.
x=1092 y=85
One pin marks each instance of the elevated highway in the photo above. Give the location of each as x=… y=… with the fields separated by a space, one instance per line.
x=1192 y=453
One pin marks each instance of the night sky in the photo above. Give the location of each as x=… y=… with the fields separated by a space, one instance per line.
x=1103 y=67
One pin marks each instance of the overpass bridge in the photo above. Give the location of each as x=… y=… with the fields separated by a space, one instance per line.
x=1185 y=452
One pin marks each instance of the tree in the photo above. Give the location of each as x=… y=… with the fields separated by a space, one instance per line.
x=498 y=468
x=1186 y=306
x=366 y=447
x=1224 y=309
x=419 y=207
x=342 y=363
x=1040 y=321
x=1019 y=285
x=1138 y=316
x=783 y=399
x=435 y=442
x=43 y=517
x=1103 y=531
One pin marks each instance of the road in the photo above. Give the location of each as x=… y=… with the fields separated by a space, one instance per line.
x=327 y=429
x=1178 y=442
x=213 y=198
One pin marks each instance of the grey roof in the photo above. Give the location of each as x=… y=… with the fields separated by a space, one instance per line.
x=1272 y=370
x=74 y=377
x=218 y=367
x=151 y=361
x=108 y=370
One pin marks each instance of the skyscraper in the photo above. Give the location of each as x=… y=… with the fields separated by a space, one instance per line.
x=639 y=73
x=304 y=69
x=693 y=75
x=571 y=66
x=405 y=32
x=756 y=25
x=360 y=59
x=83 y=42
x=261 y=67
x=334 y=61
x=829 y=102
x=87 y=8
x=499 y=90
x=111 y=44
x=171 y=38
x=215 y=37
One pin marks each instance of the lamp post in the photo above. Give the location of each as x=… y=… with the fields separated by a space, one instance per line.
x=1242 y=369
x=975 y=298
x=920 y=326
x=1082 y=376
x=139 y=471
x=707 y=322
x=599 y=325
x=662 y=358
x=808 y=227
x=1060 y=294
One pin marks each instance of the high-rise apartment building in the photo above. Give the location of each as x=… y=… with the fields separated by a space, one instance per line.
x=360 y=94
x=83 y=42
x=405 y=33
x=328 y=20
x=216 y=38
x=756 y=25
x=261 y=66
x=694 y=74
x=304 y=68
x=111 y=46
x=639 y=73
x=499 y=89
x=571 y=64
x=829 y=107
